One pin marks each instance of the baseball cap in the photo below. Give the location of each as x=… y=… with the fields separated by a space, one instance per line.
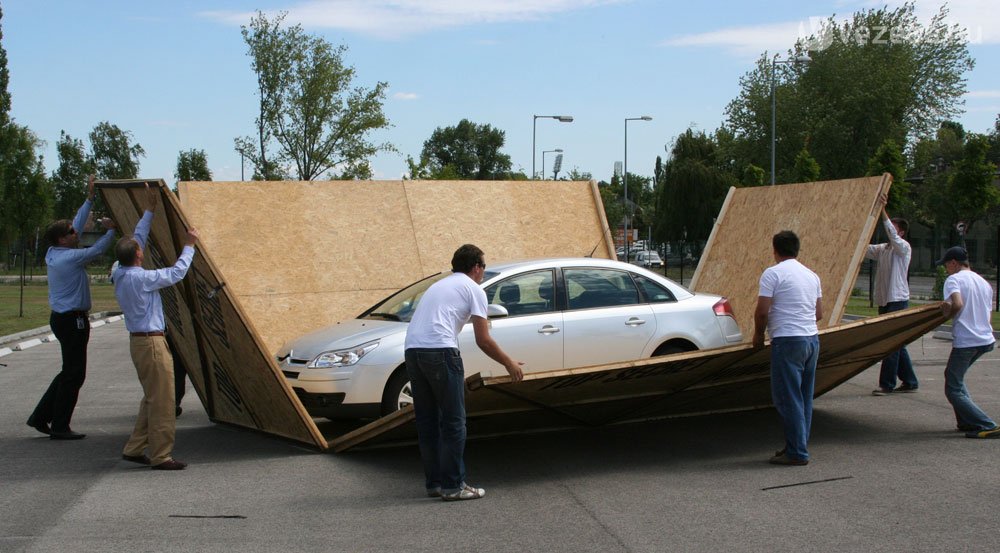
x=954 y=253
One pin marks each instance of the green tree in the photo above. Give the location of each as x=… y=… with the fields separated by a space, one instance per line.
x=68 y=179
x=971 y=191
x=465 y=151
x=806 y=169
x=113 y=154
x=307 y=105
x=882 y=74
x=695 y=184
x=889 y=159
x=4 y=81
x=26 y=192
x=192 y=165
x=753 y=175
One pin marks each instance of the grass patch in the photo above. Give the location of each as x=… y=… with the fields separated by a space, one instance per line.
x=859 y=306
x=36 y=305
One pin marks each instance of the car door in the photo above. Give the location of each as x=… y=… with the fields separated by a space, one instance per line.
x=605 y=320
x=531 y=333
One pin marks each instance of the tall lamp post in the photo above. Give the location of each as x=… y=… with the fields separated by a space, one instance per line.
x=774 y=64
x=625 y=223
x=559 y=150
x=534 y=122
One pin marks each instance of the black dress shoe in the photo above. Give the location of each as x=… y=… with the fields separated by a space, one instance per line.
x=141 y=459
x=178 y=411
x=42 y=427
x=66 y=435
x=172 y=464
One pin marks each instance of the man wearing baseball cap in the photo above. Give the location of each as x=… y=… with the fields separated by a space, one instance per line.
x=968 y=300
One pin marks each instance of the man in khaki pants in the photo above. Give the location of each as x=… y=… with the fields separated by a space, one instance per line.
x=137 y=290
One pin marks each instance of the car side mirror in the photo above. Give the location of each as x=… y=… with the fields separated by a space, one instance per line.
x=495 y=311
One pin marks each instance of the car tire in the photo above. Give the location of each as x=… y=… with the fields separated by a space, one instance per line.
x=397 y=392
x=667 y=349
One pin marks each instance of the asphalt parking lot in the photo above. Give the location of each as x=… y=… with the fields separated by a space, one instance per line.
x=888 y=474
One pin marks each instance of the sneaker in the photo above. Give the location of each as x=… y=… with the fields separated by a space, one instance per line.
x=465 y=492
x=984 y=434
x=881 y=391
x=784 y=459
x=906 y=389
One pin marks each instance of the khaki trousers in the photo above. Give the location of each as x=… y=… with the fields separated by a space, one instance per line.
x=154 y=427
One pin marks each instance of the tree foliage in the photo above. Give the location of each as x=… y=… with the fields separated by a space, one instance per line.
x=69 y=177
x=307 y=107
x=970 y=189
x=465 y=151
x=192 y=165
x=113 y=153
x=889 y=159
x=879 y=75
x=806 y=169
x=26 y=192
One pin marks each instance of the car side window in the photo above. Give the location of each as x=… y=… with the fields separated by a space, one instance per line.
x=524 y=294
x=588 y=288
x=653 y=292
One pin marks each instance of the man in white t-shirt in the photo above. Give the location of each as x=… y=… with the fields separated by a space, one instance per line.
x=968 y=299
x=437 y=376
x=892 y=293
x=788 y=305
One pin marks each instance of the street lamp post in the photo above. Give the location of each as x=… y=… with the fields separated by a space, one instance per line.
x=559 y=150
x=534 y=121
x=774 y=63
x=625 y=223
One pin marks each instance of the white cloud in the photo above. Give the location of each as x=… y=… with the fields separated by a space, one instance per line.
x=396 y=18
x=983 y=94
x=405 y=95
x=746 y=41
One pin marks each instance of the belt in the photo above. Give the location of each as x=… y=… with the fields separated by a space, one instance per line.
x=145 y=334
x=73 y=313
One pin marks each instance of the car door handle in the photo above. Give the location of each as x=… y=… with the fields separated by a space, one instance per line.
x=548 y=329
x=635 y=321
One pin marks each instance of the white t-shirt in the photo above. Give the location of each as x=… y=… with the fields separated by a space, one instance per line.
x=972 y=324
x=793 y=290
x=443 y=310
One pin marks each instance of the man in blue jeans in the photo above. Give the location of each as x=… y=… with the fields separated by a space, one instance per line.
x=788 y=305
x=437 y=376
x=968 y=298
x=892 y=293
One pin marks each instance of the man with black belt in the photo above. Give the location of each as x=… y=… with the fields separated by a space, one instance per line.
x=69 y=298
x=137 y=290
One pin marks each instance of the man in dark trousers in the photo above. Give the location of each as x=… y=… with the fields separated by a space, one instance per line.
x=69 y=299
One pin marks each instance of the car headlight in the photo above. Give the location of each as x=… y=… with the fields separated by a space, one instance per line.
x=342 y=357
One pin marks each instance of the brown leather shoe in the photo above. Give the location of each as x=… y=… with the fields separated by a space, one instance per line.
x=172 y=464
x=141 y=459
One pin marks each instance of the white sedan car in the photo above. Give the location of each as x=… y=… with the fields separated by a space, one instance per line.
x=548 y=313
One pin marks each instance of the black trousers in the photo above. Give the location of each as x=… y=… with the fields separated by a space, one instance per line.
x=56 y=407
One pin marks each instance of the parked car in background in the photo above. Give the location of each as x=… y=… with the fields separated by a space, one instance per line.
x=648 y=259
x=549 y=313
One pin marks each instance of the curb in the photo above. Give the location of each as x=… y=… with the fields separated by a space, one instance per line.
x=30 y=338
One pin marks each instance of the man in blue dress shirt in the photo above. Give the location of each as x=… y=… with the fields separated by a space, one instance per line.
x=69 y=299
x=138 y=293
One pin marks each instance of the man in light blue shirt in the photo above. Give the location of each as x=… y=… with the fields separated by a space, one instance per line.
x=138 y=293
x=69 y=298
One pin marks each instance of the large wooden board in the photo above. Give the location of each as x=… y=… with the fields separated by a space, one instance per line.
x=236 y=379
x=304 y=255
x=711 y=381
x=833 y=219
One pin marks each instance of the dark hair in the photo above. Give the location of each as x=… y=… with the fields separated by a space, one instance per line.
x=465 y=258
x=126 y=250
x=902 y=224
x=57 y=230
x=786 y=244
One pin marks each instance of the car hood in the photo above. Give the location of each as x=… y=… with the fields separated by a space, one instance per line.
x=345 y=334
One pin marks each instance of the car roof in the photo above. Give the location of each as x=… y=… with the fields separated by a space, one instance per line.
x=502 y=268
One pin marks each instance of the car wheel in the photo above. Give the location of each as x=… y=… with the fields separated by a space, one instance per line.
x=667 y=349
x=397 y=393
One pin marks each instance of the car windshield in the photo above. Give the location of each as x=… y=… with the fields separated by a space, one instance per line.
x=401 y=305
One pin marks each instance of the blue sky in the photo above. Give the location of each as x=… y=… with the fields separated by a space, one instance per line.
x=175 y=73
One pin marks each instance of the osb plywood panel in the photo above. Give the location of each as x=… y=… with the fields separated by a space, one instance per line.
x=833 y=219
x=303 y=255
x=711 y=381
x=237 y=381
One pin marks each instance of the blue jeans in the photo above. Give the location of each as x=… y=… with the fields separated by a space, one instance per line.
x=793 y=379
x=967 y=413
x=897 y=363
x=437 y=380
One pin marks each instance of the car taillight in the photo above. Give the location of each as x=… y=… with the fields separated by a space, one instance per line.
x=723 y=308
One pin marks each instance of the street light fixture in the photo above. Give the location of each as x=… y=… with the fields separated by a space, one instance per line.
x=534 y=121
x=559 y=150
x=625 y=223
x=803 y=58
